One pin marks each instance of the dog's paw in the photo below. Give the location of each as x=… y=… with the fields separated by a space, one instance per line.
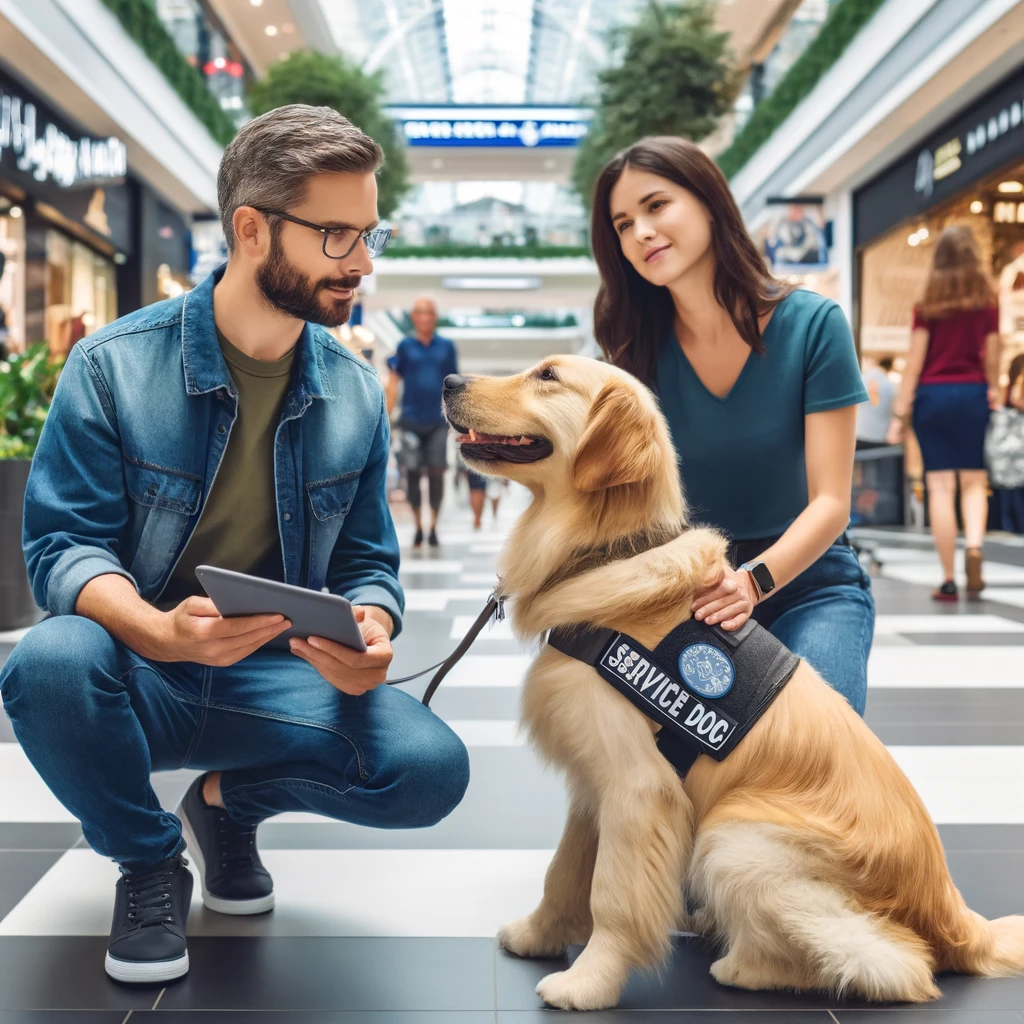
x=732 y=971
x=578 y=990
x=525 y=939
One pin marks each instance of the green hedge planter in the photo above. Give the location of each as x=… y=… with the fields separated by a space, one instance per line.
x=844 y=22
x=140 y=21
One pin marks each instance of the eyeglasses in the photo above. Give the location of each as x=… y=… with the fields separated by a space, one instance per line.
x=340 y=242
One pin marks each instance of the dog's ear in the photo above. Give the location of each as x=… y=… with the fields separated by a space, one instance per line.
x=618 y=445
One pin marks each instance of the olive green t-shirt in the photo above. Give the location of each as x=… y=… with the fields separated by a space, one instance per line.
x=238 y=525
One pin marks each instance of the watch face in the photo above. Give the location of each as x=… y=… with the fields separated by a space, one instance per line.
x=763 y=577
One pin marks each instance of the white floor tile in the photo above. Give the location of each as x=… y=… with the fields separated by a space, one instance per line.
x=481 y=732
x=923 y=667
x=487 y=547
x=12 y=636
x=886 y=625
x=437 y=600
x=486 y=578
x=967 y=785
x=319 y=893
x=489 y=670
x=23 y=794
x=1013 y=596
x=927 y=574
x=495 y=631
x=413 y=566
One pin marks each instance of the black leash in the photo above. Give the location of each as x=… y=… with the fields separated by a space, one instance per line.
x=495 y=608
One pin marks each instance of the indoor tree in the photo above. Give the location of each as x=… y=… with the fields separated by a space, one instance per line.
x=673 y=76
x=305 y=76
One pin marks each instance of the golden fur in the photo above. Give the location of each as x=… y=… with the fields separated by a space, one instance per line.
x=807 y=852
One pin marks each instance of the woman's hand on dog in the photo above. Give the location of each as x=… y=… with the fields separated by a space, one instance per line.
x=727 y=601
x=351 y=671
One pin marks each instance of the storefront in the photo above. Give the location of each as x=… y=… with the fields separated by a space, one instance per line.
x=82 y=241
x=971 y=172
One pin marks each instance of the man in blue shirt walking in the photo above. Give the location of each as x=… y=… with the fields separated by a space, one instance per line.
x=421 y=362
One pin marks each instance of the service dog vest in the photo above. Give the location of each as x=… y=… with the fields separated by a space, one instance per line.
x=704 y=686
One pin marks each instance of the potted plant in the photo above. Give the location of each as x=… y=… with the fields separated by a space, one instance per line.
x=27 y=380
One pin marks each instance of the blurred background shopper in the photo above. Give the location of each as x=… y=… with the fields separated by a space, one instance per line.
x=951 y=382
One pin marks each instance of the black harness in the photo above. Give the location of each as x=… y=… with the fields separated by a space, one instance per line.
x=704 y=686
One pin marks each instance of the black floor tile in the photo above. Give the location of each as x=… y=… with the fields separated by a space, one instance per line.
x=63 y=973
x=987 y=838
x=352 y=974
x=59 y=835
x=673 y=1017
x=686 y=984
x=991 y=883
x=19 y=871
x=926 y=1015
x=955 y=717
x=62 y=1016
x=160 y=1016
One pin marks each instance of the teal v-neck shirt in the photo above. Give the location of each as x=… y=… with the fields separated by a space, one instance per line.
x=742 y=456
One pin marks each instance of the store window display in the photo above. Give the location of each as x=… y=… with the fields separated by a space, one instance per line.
x=81 y=295
x=12 y=279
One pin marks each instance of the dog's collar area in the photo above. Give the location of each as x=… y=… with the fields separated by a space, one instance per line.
x=705 y=687
x=630 y=545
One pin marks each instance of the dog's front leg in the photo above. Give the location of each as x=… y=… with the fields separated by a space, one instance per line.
x=644 y=846
x=563 y=915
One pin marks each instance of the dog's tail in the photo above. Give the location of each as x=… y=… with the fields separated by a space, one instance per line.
x=993 y=949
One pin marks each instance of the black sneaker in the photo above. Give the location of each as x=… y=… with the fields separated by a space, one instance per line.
x=432 y=539
x=147 y=937
x=234 y=880
x=417 y=540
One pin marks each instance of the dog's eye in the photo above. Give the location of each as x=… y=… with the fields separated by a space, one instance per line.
x=546 y=374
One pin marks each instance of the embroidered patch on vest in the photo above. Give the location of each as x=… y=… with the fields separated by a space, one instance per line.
x=707 y=670
x=626 y=666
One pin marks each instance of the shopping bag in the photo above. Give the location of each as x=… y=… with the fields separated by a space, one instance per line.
x=1004 y=448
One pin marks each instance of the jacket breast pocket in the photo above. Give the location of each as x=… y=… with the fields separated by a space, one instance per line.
x=162 y=501
x=329 y=501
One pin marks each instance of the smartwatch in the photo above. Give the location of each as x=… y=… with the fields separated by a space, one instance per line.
x=762 y=577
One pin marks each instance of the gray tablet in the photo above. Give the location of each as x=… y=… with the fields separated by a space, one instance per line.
x=311 y=612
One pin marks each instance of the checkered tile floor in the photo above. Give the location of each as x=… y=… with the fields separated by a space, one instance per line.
x=397 y=927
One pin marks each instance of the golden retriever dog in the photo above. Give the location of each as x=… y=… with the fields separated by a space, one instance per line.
x=808 y=855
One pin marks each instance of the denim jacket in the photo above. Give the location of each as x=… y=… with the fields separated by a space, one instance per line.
x=128 y=454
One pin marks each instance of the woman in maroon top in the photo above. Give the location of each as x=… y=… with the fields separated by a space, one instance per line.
x=951 y=380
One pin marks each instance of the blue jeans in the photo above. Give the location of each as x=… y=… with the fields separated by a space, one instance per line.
x=826 y=616
x=95 y=719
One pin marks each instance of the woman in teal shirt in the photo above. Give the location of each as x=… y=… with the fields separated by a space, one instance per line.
x=759 y=384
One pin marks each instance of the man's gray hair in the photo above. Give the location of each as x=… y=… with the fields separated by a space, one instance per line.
x=273 y=156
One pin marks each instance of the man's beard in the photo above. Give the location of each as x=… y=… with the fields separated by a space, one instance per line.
x=290 y=291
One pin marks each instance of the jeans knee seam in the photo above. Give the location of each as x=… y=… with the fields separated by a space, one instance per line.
x=360 y=761
x=291 y=782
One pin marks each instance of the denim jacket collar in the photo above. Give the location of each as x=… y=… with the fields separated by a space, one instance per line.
x=205 y=369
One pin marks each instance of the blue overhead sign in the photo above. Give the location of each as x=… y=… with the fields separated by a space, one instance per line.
x=492 y=126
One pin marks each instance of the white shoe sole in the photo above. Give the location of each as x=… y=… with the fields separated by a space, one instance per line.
x=141 y=972
x=236 y=908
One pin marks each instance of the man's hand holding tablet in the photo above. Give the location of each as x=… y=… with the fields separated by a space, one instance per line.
x=352 y=672
x=353 y=656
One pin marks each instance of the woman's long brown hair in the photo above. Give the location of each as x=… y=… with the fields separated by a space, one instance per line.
x=632 y=318
x=958 y=280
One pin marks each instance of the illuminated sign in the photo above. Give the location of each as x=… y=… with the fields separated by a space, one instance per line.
x=981 y=140
x=526 y=127
x=48 y=154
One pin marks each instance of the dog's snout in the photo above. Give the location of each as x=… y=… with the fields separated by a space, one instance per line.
x=455 y=382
